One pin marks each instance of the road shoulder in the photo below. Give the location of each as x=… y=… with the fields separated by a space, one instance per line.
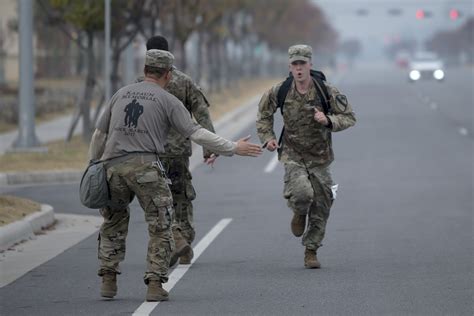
x=67 y=232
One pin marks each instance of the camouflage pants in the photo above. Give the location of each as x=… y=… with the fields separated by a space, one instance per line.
x=177 y=169
x=309 y=193
x=145 y=180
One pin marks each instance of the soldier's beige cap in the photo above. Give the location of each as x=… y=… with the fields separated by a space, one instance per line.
x=159 y=58
x=300 y=52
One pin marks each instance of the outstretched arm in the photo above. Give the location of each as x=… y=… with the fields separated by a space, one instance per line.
x=225 y=147
x=181 y=121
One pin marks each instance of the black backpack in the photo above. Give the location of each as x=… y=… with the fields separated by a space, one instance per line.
x=318 y=80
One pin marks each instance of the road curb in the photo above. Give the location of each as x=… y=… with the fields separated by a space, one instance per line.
x=27 y=227
x=52 y=176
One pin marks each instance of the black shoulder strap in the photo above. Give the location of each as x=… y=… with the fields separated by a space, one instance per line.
x=317 y=74
x=281 y=96
x=323 y=94
x=283 y=91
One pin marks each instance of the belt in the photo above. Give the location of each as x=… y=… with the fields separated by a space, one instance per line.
x=144 y=157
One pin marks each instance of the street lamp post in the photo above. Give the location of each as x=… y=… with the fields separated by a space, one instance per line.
x=26 y=114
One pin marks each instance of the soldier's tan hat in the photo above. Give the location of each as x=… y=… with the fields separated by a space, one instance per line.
x=300 y=52
x=159 y=58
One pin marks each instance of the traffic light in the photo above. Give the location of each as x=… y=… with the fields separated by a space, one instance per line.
x=420 y=14
x=454 y=14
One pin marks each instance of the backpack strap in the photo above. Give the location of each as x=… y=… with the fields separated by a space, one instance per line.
x=281 y=96
x=283 y=91
x=323 y=94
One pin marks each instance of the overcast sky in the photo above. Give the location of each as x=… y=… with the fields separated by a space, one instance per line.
x=377 y=26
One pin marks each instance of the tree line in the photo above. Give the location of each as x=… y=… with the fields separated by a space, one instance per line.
x=454 y=45
x=215 y=41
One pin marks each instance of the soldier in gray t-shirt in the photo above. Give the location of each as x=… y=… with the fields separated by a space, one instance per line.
x=130 y=134
x=139 y=117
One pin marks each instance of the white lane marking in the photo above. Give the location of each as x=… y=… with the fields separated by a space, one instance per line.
x=463 y=131
x=147 y=307
x=433 y=105
x=272 y=164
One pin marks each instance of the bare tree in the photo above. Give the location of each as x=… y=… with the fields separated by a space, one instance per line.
x=74 y=17
x=126 y=17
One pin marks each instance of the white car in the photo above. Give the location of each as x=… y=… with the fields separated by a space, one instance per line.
x=426 y=66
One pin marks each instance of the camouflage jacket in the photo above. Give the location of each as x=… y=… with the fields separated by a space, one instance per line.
x=183 y=87
x=305 y=141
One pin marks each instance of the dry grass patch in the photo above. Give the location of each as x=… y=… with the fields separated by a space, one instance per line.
x=14 y=208
x=7 y=127
x=60 y=156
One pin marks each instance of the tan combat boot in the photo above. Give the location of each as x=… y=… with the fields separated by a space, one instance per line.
x=187 y=257
x=298 y=223
x=109 y=285
x=182 y=247
x=310 y=259
x=156 y=292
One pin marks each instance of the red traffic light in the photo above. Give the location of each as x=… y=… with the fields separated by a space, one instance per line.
x=420 y=14
x=453 y=14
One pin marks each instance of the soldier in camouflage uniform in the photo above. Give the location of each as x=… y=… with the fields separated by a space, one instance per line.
x=306 y=148
x=176 y=157
x=131 y=154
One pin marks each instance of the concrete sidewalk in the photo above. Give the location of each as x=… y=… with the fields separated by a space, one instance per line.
x=68 y=230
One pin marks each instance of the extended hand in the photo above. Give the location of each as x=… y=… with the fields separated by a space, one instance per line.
x=272 y=145
x=244 y=148
x=320 y=117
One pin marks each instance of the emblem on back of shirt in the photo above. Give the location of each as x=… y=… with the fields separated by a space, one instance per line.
x=133 y=111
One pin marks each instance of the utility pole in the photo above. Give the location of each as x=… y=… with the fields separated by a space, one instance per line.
x=130 y=72
x=26 y=116
x=3 y=56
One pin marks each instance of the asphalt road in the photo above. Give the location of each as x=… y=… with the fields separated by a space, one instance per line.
x=399 y=239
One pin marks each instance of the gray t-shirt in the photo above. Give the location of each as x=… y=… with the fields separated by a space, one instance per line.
x=138 y=118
